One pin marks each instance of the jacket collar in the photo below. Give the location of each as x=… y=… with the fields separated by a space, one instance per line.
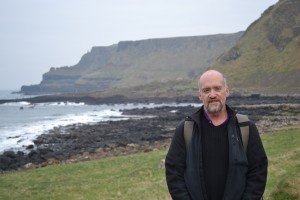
x=198 y=114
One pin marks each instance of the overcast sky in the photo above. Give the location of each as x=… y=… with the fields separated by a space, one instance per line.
x=38 y=34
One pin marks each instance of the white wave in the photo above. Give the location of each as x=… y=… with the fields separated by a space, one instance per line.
x=75 y=104
x=20 y=103
x=67 y=103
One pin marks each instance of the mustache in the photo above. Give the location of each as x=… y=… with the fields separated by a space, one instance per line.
x=214 y=100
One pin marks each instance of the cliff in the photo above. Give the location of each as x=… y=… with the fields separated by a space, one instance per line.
x=136 y=63
x=266 y=58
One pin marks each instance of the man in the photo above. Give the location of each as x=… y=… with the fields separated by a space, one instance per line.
x=215 y=166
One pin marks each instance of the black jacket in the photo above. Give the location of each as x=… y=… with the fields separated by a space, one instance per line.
x=247 y=174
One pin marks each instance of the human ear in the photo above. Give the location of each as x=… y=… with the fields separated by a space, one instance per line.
x=199 y=95
x=227 y=91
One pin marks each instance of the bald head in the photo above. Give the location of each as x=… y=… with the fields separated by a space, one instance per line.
x=210 y=75
x=213 y=91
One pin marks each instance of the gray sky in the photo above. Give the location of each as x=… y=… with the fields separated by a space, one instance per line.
x=38 y=34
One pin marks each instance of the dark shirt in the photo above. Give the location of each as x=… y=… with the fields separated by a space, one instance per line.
x=215 y=157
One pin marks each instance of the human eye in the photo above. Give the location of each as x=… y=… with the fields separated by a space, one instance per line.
x=218 y=88
x=205 y=90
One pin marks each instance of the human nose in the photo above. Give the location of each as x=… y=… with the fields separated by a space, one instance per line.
x=212 y=94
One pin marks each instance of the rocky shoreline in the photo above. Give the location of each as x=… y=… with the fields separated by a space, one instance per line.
x=80 y=142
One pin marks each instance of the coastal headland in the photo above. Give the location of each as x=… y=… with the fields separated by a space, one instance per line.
x=79 y=142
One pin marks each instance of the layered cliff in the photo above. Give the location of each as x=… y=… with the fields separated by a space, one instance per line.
x=135 y=63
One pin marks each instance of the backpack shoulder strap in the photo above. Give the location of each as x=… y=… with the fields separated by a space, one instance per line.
x=244 y=126
x=243 y=121
x=188 y=132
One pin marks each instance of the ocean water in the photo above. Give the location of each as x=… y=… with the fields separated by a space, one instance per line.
x=12 y=94
x=22 y=122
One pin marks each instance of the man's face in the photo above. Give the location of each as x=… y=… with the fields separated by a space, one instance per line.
x=213 y=92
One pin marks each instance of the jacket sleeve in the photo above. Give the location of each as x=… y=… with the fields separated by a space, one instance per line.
x=257 y=166
x=175 y=166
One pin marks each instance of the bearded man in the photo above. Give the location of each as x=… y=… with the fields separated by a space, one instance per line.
x=215 y=166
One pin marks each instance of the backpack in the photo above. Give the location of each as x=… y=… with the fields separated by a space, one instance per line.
x=243 y=121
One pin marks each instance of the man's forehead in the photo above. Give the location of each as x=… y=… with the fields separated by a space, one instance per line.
x=212 y=84
x=211 y=80
x=212 y=74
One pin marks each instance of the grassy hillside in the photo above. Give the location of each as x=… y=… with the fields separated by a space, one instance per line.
x=266 y=58
x=139 y=177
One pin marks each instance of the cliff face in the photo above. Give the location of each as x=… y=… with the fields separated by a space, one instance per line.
x=135 y=63
x=266 y=58
x=263 y=59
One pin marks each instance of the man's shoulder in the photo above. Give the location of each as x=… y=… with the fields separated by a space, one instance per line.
x=196 y=115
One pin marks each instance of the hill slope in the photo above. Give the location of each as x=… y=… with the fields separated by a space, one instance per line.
x=135 y=63
x=267 y=57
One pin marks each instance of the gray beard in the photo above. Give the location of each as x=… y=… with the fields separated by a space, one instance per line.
x=214 y=109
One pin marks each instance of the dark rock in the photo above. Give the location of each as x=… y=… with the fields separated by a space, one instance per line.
x=35 y=157
x=5 y=162
x=20 y=153
x=10 y=154
x=9 y=160
x=30 y=147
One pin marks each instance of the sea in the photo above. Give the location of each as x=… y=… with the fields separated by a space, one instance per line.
x=22 y=122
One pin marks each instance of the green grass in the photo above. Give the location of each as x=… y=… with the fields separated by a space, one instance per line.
x=128 y=177
x=283 y=150
x=138 y=176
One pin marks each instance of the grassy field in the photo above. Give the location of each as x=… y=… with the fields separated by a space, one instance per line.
x=283 y=150
x=139 y=177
